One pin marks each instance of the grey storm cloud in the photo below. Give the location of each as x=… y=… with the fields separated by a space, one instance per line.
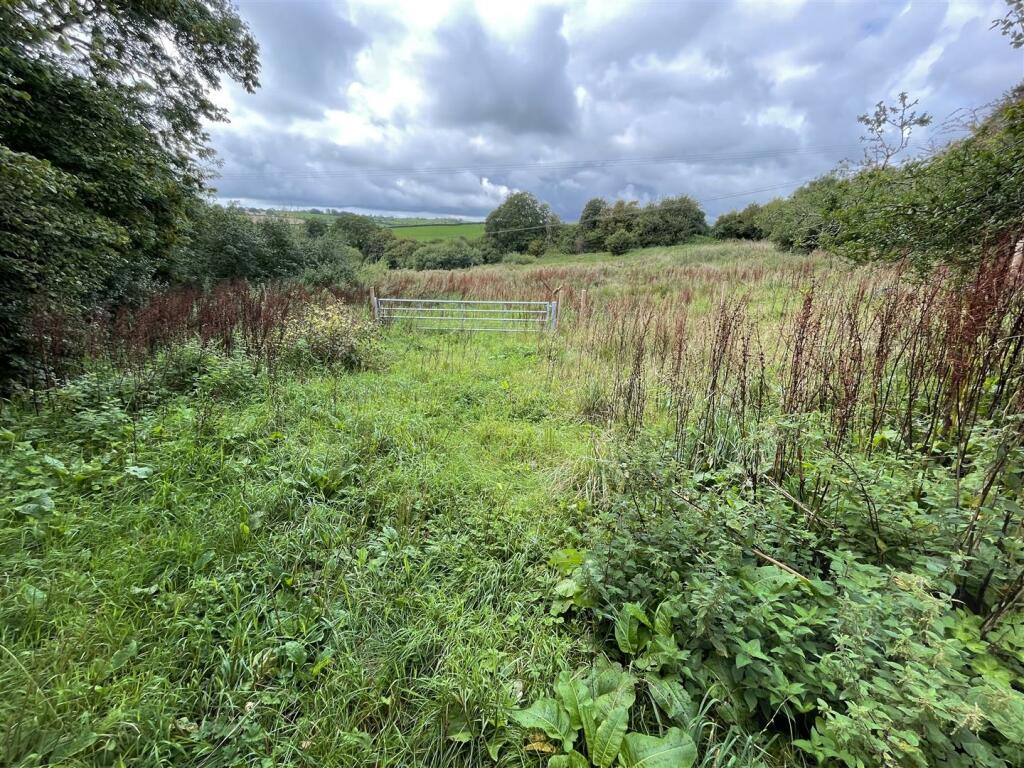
x=404 y=109
x=522 y=86
x=307 y=56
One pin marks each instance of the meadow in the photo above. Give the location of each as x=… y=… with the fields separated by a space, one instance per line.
x=743 y=508
x=422 y=231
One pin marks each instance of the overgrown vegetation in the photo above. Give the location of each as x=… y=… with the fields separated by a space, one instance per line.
x=744 y=507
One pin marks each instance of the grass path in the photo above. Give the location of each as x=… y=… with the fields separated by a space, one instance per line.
x=344 y=570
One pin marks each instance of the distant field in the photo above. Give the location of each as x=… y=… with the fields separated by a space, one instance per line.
x=468 y=230
x=413 y=228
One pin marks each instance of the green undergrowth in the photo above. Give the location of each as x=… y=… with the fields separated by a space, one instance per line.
x=401 y=549
x=329 y=569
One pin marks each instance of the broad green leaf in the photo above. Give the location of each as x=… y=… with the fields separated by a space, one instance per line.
x=35 y=597
x=566 y=560
x=1004 y=708
x=494 y=746
x=663 y=618
x=322 y=663
x=671 y=698
x=575 y=697
x=607 y=677
x=546 y=715
x=622 y=697
x=567 y=587
x=673 y=750
x=140 y=472
x=752 y=648
x=604 y=747
x=296 y=652
x=569 y=760
x=630 y=629
x=70 y=746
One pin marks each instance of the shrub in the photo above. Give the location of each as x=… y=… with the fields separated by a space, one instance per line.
x=330 y=262
x=315 y=228
x=619 y=242
x=568 y=239
x=332 y=335
x=739 y=225
x=369 y=275
x=536 y=247
x=797 y=223
x=591 y=230
x=448 y=254
x=401 y=252
x=490 y=253
x=875 y=661
x=329 y=274
x=670 y=221
x=365 y=234
x=623 y=215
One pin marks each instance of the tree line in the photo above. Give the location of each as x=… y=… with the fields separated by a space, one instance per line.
x=955 y=206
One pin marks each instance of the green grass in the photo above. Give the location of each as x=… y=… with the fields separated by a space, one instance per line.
x=468 y=230
x=331 y=571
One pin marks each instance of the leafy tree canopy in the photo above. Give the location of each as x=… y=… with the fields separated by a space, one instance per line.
x=520 y=219
x=102 y=106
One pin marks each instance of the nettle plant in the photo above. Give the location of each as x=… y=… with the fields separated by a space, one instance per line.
x=871 y=666
x=597 y=703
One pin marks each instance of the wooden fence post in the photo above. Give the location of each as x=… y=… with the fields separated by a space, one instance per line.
x=373 y=304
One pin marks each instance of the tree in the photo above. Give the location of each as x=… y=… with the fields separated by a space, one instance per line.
x=889 y=129
x=401 y=252
x=520 y=219
x=168 y=55
x=364 y=233
x=955 y=207
x=671 y=221
x=589 y=228
x=218 y=243
x=1012 y=24
x=622 y=215
x=315 y=227
x=799 y=222
x=102 y=107
x=285 y=255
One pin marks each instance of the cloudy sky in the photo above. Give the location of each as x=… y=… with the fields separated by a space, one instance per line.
x=444 y=107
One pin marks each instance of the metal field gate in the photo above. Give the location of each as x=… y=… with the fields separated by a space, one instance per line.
x=467 y=314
